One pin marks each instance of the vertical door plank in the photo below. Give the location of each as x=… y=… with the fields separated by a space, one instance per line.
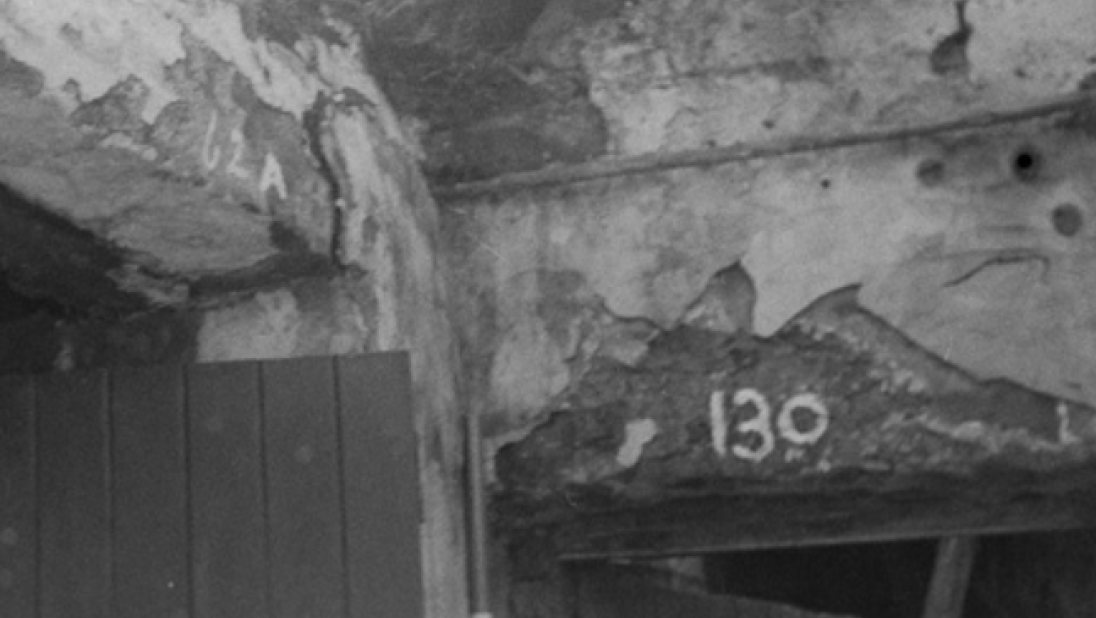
x=18 y=531
x=303 y=489
x=150 y=494
x=74 y=503
x=227 y=503
x=381 y=486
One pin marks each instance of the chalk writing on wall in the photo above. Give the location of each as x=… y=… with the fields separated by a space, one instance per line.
x=271 y=175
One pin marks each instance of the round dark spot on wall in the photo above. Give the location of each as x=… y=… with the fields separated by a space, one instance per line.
x=1027 y=163
x=826 y=183
x=931 y=172
x=1067 y=219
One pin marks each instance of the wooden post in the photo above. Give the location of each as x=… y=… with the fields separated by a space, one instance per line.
x=950 y=576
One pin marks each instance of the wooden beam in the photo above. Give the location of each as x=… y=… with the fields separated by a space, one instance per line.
x=723 y=443
x=746 y=523
x=737 y=153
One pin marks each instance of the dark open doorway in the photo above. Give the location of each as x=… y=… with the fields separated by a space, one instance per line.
x=1036 y=575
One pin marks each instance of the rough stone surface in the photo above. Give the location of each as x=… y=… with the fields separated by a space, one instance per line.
x=575 y=304
x=837 y=402
x=313 y=318
x=175 y=134
x=687 y=73
x=563 y=272
x=943 y=236
x=477 y=78
x=467 y=76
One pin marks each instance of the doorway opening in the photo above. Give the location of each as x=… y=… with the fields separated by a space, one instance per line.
x=1031 y=575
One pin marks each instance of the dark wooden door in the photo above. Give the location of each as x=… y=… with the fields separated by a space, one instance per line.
x=231 y=490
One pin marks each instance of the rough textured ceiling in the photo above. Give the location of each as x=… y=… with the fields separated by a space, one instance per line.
x=486 y=84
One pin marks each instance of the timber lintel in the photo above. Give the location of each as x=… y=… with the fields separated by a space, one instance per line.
x=833 y=430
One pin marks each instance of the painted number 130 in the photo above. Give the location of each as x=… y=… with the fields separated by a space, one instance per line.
x=762 y=424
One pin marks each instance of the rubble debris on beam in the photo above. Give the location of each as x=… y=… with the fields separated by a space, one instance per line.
x=835 y=406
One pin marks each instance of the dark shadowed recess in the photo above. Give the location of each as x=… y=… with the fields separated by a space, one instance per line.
x=48 y=263
x=1045 y=575
x=61 y=307
x=44 y=256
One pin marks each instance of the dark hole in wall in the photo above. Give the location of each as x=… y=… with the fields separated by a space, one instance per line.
x=1046 y=575
x=1027 y=163
x=1033 y=575
x=878 y=580
x=1037 y=575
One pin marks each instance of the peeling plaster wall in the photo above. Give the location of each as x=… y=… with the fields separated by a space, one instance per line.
x=178 y=133
x=309 y=319
x=395 y=241
x=691 y=73
x=942 y=236
x=390 y=295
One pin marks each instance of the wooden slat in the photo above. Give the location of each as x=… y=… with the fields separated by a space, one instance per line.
x=381 y=486
x=736 y=523
x=304 y=498
x=74 y=500
x=150 y=494
x=18 y=531
x=229 y=560
x=950 y=576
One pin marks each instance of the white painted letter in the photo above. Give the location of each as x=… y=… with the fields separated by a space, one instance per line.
x=211 y=155
x=1065 y=435
x=272 y=177
x=717 y=419
x=760 y=425
x=238 y=149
